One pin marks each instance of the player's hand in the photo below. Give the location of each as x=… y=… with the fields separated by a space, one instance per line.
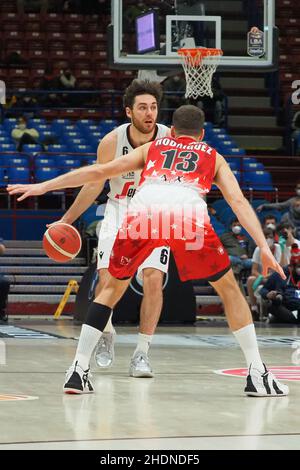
x=269 y=262
x=60 y=221
x=26 y=190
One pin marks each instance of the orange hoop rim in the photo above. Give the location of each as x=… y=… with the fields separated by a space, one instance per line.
x=201 y=52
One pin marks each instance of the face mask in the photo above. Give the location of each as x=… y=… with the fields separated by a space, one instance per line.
x=237 y=229
x=271 y=226
x=22 y=127
x=270 y=242
x=298 y=191
x=297 y=271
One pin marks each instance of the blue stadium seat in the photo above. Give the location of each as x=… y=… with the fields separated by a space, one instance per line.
x=236 y=151
x=45 y=173
x=32 y=148
x=19 y=174
x=83 y=123
x=249 y=160
x=42 y=128
x=5 y=140
x=220 y=205
x=68 y=162
x=49 y=134
x=258 y=202
x=61 y=122
x=91 y=160
x=234 y=165
x=277 y=214
x=17 y=161
x=253 y=166
x=227 y=216
x=3 y=180
x=258 y=180
x=73 y=134
x=4 y=132
x=86 y=131
x=236 y=162
x=42 y=161
x=237 y=174
x=57 y=148
x=83 y=149
x=7 y=148
x=34 y=122
x=58 y=125
x=9 y=123
x=97 y=135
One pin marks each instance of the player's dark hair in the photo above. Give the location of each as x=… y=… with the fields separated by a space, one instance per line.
x=189 y=120
x=142 y=87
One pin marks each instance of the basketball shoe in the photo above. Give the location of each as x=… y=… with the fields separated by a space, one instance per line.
x=140 y=365
x=78 y=380
x=264 y=385
x=105 y=352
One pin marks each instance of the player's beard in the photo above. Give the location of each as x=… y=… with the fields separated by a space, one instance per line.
x=141 y=127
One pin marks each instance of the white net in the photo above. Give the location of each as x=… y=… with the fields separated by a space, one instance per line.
x=199 y=66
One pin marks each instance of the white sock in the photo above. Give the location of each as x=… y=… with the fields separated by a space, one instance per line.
x=143 y=344
x=88 y=340
x=109 y=326
x=246 y=337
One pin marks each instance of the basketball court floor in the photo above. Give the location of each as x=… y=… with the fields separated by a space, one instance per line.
x=187 y=405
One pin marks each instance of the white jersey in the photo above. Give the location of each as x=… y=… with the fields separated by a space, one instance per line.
x=123 y=187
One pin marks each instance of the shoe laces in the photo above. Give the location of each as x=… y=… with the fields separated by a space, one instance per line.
x=141 y=357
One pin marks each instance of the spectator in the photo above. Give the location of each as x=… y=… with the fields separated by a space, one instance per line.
x=237 y=247
x=293 y=216
x=285 y=205
x=67 y=81
x=15 y=59
x=286 y=240
x=269 y=221
x=4 y=290
x=175 y=84
x=284 y=295
x=214 y=107
x=50 y=82
x=23 y=135
x=256 y=280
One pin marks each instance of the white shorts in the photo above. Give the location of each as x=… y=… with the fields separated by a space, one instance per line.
x=113 y=218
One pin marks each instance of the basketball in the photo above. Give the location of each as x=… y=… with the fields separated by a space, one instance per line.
x=61 y=242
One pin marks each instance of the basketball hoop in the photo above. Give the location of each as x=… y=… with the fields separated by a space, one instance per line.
x=199 y=66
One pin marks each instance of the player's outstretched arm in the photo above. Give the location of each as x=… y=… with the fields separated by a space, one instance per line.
x=95 y=173
x=89 y=192
x=228 y=185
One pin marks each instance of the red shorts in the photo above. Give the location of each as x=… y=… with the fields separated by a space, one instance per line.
x=205 y=262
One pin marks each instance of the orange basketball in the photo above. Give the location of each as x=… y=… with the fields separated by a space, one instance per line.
x=62 y=242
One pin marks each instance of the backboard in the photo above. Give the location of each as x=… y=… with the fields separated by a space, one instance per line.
x=192 y=23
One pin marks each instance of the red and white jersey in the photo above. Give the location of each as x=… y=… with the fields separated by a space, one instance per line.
x=180 y=161
x=122 y=188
